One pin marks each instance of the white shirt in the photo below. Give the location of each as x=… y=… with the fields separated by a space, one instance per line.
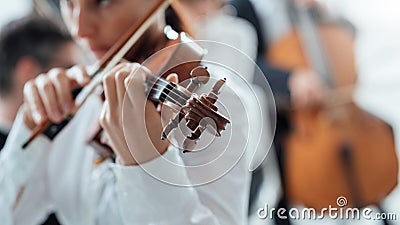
x=377 y=52
x=238 y=35
x=274 y=19
x=61 y=176
x=14 y=10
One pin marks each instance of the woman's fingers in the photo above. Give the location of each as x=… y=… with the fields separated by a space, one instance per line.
x=173 y=77
x=78 y=76
x=143 y=127
x=120 y=77
x=48 y=95
x=34 y=106
x=110 y=86
x=63 y=88
x=136 y=86
x=115 y=135
x=110 y=90
x=104 y=116
x=306 y=89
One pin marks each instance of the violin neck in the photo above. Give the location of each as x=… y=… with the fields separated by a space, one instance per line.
x=161 y=90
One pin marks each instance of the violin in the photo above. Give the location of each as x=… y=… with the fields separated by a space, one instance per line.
x=182 y=56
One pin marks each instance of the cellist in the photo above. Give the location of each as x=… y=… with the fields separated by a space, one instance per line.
x=61 y=176
x=377 y=78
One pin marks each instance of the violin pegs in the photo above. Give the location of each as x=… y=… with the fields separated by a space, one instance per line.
x=199 y=75
x=217 y=86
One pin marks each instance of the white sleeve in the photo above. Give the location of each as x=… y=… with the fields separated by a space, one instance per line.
x=158 y=193
x=18 y=168
x=132 y=196
x=236 y=33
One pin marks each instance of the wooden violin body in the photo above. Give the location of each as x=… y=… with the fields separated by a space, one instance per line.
x=338 y=150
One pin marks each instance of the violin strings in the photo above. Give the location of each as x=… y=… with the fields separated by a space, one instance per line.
x=174 y=90
x=178 y=93
x=176 y=102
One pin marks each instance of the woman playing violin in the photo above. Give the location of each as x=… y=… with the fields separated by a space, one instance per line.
x=61 y=176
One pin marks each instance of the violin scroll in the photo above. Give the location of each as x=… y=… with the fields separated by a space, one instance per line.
x=198 y=108
x=199 y=75
x=201 y=108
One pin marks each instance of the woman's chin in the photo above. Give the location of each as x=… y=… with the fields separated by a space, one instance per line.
x=99 y=54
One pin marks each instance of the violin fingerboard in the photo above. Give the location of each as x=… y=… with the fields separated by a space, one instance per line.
x=159 y=92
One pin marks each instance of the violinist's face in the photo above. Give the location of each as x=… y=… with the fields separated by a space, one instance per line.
x=201 y=8
x=98 y=24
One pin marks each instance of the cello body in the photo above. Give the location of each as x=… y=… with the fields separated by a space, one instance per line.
x=335 y=151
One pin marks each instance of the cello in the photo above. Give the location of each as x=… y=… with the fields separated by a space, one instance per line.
x=338 y=149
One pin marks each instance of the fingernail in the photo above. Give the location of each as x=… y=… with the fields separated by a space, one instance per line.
x=37 y=117
x=103 y=140
x=58 y=115
x=67 y=106
x=86 y=79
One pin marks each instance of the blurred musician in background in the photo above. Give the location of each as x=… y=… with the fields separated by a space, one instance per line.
x=210 y=20
x=376 y=25
x=301 y=87
x=29 y=46
x=377 y=53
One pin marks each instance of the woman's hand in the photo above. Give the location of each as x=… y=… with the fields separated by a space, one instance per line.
x=142 y=127
x=49 y=96
x=306 y=89
x=307 y=3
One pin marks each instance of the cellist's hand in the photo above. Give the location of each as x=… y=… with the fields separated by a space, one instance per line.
x=316 y=4
x=306 y=89
x=306 y=3
x=142 y=125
